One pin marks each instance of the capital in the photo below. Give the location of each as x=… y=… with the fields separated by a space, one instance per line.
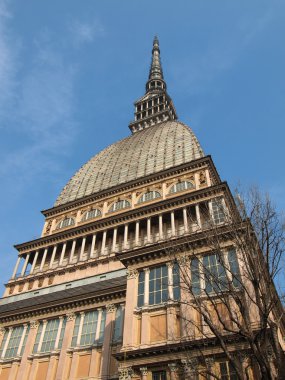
x=110 y=308
x=34 y=324
x=143 y=371
x=70 y=316
x=132 y=273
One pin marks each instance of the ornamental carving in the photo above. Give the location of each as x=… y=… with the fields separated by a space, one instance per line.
x=183 y=261
x=132 y=273
x=110 y=308
x=70 y=316
x=209 y=362
x=190 y=365
x=125 y=373
x=2 y=331
x=34 y=324
x=48 y=227
x=173 y=367
x=143 y=371
x=202 y=178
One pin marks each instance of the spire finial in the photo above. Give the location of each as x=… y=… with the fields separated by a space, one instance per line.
x=155 y=71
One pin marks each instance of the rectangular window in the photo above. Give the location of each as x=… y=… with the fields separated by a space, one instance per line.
x=176 y=282
x=25 y=340
x=141 y=289
x=234 y=268
x=89 y=328
x=50 y=335
x=4 y=341
x=75 y=331
x=158 y=285
x=118 y=328
x=14 y=341
x=218 y=211
x=37 y=340
x=214 y=273
x=227 y=371
x=195 y=277
x=102 y=326
x=159 y=375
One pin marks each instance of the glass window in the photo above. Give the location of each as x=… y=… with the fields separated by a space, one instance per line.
x=158 y=285
x=149 y=196
x=141 y=289
x=227 y=371
x=66 y=222
x=195 y=276
x=91 y=214
x=3 y=342
x=159 y=375
x=75 y=331
x=218 y=211
x=118 y=328
x=50 y=335
x=234 y=268
x=181 y=186
x=119 y=205
x=89 y=328
x=14 y=342
x=25 y=340
x=38 y=336
x=176 y=282
x=102 y=326
x=214 y=273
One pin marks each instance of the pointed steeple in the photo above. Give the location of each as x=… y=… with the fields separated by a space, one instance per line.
x=156 y=105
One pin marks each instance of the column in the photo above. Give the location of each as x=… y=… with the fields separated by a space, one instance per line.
x=146 y=286
x=172 y=223
x=62 y=254
x=24 y=365
x=143 y=371
x=52 y=256
x=103 y=243
x=137 y=233
x=148 y=230
x=6 y=343
x=42 y=335
x=25 y=265
x=126 y=236
x=80 y=328
x=62 y=367
x=72 y=251
x=185 y=220
x=34 y=262
x=114 y=239
x=131 y=302
x=82 y=249
x=22 y=339
x=160 y=226
x=58 y=332
x=170 y=280
x=43 y=259
x=198 y=216
x=93 y=246
x=16 y=267
x=106 y=348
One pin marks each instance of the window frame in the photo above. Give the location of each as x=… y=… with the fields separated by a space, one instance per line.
x=124 y=202
x=144 y=197
x=61 y=224
x=173 y=189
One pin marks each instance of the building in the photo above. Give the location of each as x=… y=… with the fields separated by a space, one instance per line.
x=97 y=295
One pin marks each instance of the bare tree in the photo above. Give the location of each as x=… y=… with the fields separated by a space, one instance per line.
x=228 y=274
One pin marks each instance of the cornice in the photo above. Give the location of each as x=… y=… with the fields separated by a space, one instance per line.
x=133 y=214
x=132 y=184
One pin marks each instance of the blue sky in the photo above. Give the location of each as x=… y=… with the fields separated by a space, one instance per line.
x=71 y=70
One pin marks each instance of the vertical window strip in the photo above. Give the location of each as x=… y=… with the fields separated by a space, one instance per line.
x=158 y=285
x=234 y=268
x=176 y=282
x=218 y=211
x=195 y=277
x=14 y=342
x=4 y=341
x=50 y=335
x=25 y=340
x=62 y=333
x=37 y=340
x=102 y=326
x=75 y=331
x=227 y=371
x=214 y=273
x=118 y=324
x=141 y=289
x=89 y=328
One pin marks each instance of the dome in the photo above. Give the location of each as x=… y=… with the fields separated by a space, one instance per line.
x=151 y=150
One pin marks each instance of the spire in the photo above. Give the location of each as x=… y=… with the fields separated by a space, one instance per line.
x=156 y=105
x=155 y=71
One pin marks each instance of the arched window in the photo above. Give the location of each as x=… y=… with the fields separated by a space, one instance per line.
x=149 y=196
x=91 y=214
x=66 y=222
x=181 y=186
x=119 y=205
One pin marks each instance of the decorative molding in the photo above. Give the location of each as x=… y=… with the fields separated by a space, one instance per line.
x=2 y=331
x=173 y=367
x=144 y=371
x=70 y=316
x=125 y=373
x=110 y=308
x=132 y=273
x=34 y=324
